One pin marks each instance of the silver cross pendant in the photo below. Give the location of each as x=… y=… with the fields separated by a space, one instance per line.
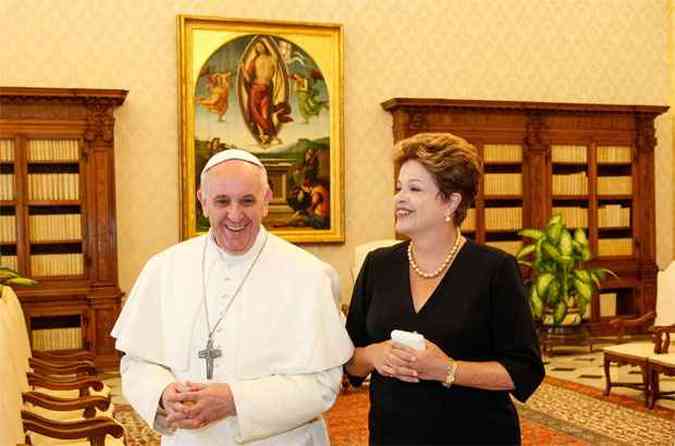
x=208 y=355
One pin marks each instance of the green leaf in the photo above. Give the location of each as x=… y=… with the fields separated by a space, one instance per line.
x=584 y=289
x=22 y=281
x=586 y=253
x=553 y=294
x=556 y=219
x=580 y=237
x=525 y=251
x=536 y=305
x=559 y=312
x=584 y=275
x=6 y=273
x=542 y=283
x=565 y=244
x=525 y=263
x=553 y=231
x=551 y=250
x=534 y=234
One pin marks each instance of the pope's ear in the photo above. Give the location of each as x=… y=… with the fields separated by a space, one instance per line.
x=201 y=198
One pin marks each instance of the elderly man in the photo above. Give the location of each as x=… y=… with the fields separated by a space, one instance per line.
x=233 y=337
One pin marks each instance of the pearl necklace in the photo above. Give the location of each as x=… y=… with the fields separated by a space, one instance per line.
x=448 y=259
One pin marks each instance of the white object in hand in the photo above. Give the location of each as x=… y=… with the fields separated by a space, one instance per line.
x=409 y=339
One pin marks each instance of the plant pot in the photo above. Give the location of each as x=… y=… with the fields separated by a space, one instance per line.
x=572 y=318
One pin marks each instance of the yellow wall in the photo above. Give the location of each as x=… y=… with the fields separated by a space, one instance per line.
x=604 y=51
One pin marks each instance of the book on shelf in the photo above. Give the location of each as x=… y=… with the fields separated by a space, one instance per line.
x=574 y=216
x=615 y=185
x=6 y=186
x=614 y=155
x=8 y=261
x=67 y=338
x=568 y=154
x=7 y=228
x=55 y=227
x=570 y=184
x=469 y=223
x=607 y=304
x=502 y=153
x=54 y=186
x=6 y=150
x=503 y=218
x=613 y=216
x=615 y=247
x=71 y=264
x=53 y=150
x=503 y=184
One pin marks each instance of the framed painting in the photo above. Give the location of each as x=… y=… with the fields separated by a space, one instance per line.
x=275 y=90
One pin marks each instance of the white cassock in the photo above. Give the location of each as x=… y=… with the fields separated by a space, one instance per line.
x=282 y=340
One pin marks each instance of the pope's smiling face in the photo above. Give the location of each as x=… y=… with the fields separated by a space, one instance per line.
x=235 y=198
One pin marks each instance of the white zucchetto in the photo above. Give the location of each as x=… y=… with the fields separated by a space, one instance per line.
x=231 y=154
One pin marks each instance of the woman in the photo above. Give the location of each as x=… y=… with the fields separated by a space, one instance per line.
x=466 y=300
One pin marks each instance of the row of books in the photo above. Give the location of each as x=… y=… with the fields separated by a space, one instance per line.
x=570 y=184
x=509 y=246
x=615 y=247
x=54 y=186
x=6 y=187
x=503 y=184
x=57 y=338
x=53 y=150
x=7 y=228
x=6 y=150
x=469 y=223
x=503 y=218
x=55 y=227
x=503 y=153
x=615 y=185
x=568 y=154
x=613 y=216
x=607 y=303
x=57 y=264
x=614 y=155
x=574 y=216
x=8 y=262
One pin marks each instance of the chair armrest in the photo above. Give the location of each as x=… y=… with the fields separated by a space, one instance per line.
x=48 y=382
x=94 y=429
x=620 y=324
x=50 y=368
x=58 y=356
x=88 y=403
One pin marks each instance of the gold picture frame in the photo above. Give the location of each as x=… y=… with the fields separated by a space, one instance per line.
x=275 y=89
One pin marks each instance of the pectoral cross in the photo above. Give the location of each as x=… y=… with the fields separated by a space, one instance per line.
x=208 y=355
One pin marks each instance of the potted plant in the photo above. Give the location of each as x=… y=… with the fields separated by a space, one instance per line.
x=560 y=287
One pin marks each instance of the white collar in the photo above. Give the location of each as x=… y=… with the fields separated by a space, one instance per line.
x=215 y=252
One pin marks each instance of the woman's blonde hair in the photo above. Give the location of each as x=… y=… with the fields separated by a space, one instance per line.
x=452 y=162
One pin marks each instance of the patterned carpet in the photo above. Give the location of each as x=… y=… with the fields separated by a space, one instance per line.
x=559 y=413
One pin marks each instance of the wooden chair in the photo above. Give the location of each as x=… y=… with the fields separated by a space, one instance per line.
x=632 y=353
x=20 y=423
x=64 y=375
x=661 y=361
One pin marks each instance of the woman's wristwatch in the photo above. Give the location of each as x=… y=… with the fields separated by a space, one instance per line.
x=452 y=369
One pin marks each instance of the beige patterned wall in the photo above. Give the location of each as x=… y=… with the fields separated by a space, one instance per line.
x=606 y=51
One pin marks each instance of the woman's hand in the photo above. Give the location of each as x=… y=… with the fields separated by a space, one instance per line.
x=387 y=358
x=428 y=364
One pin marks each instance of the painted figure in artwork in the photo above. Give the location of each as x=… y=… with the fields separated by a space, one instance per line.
x=265 y=82
x=309 y=101
x=218 y=85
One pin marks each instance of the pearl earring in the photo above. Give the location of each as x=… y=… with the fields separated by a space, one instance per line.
x=447 y=218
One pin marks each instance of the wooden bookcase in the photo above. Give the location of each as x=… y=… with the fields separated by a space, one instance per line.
x=592 y=163
x=57 y=213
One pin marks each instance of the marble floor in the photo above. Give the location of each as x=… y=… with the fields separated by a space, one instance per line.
x=577 y=364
